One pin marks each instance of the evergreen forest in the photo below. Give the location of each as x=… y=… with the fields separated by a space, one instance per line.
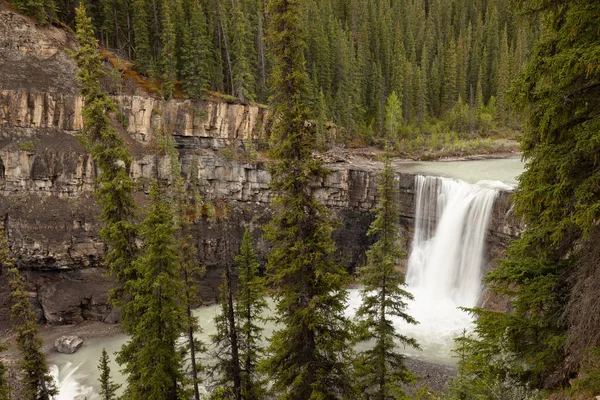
x=449 y=63
x=405 y=75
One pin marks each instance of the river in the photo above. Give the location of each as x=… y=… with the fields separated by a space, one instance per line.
x=444 y=268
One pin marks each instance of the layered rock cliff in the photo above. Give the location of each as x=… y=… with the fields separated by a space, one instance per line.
x=47 y=178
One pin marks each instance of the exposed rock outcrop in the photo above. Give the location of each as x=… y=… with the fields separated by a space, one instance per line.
x=68 y=344
x=47 y=178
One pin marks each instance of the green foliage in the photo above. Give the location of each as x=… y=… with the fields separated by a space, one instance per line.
x=558 y=196
x=476 y=378
x=196 y=52
x=168 y=61
x=36 y=380
x=380 y=370
x=393 y=117
x=144 y=60
x=114 y=185
x=241 y=41
x=308 y=355
x=108 y=389
x=588 y=383
x=249 y=308
x=226 y=344
x=43 y=10
x=357 y=53
x=153 y=364
x=27 y=146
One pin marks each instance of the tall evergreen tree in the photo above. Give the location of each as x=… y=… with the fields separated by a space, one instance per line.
x=241 y=48
x=196 y=52
x=154 y=364
x=168 y=60
x=108 y=389
x=381 y=370
x=558 y=195
x=393 y=118
x=249 y=308
x=226 y=342
x=114 y=185
x=307 y=355
x=144 y=60
x=37 y=381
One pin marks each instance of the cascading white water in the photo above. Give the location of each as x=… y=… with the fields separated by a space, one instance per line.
x=444 y=273
x=451 y=223
x=445 y=261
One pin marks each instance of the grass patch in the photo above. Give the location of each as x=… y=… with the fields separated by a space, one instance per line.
x=27 y=146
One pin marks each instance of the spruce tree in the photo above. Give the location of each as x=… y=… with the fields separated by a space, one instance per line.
x=308 y=354
x=226 y=342
x=238 y=337
x=143 y=51
x=186 y=211
x=37 y=381
x=168 y=60
x=380 y=370
x=196 y=52
x=249 y=308
x=153 y=362
x=108 y=389
x=558 y=195
x=393 y=118
x=114 y=185
x=241 y=47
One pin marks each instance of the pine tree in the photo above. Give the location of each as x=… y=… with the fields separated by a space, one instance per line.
x=226 y=343
x=37 y=381
x=108 y=389
x=308 y=354
x=196 y=52
x=249 y=308
x=168 y=60
x=393 y=117
x=241 y=48
x=558 y=195
x=186 y=211
x=153 y=362
x=114 y=185
x=143 y=51
x=381 y=370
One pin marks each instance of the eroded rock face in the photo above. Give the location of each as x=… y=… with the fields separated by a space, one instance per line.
x=47 y=178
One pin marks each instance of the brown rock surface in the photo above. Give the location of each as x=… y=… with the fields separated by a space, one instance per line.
x=47 y=178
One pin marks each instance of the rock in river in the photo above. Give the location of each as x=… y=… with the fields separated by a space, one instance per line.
x=68 y=344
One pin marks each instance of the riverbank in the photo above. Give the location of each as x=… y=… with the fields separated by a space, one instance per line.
x=431 y=375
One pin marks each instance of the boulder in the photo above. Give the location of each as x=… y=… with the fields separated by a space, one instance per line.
x=68 y=344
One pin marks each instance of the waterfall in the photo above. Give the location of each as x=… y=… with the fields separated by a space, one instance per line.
x=451 y=222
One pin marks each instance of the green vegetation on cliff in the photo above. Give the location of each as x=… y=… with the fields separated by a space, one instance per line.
x=450 y=63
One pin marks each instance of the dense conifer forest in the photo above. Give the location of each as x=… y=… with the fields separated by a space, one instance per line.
x=449 y=63
x=404 y=73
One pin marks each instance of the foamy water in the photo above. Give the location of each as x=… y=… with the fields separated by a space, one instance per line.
x=444 y=273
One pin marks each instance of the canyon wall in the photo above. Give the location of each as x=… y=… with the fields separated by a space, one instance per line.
x=47 y=177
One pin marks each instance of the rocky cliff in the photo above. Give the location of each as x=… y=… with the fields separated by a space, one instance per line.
x=47 y=178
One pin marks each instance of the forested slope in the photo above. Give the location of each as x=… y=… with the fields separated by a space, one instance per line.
x=449 y=62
